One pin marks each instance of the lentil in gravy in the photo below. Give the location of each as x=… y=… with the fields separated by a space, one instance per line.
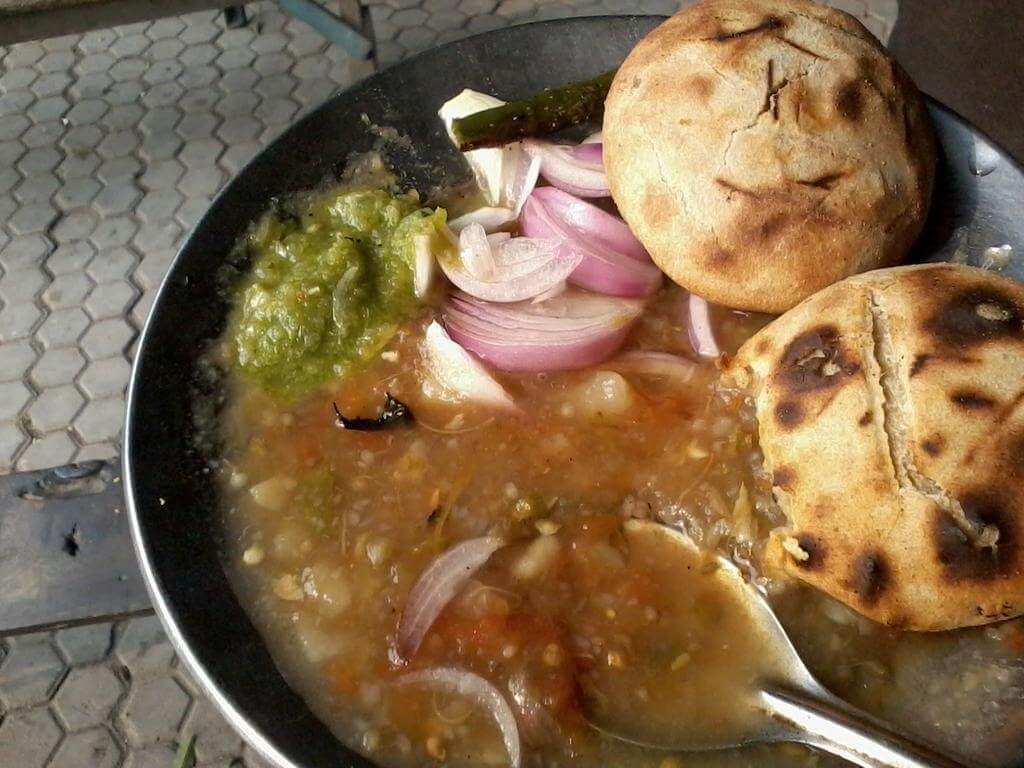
x=329 y=529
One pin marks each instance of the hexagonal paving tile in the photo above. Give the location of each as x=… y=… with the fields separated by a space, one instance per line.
x=13 y=397
x=143 y=647
x=12 y=126
x=69 y=257
x=78 y=164
x=27 y=738
x=67 y=290
x=86 y=644
x=15 y=359
x=89 y=85
x=154 y=236
x=94 y=748
x=159 y=119
x=30 y=673
x=50 y=450
x=154 y=710
x=22 y=252
x=32 y=218
x=43 y=134
x=119 y=169
x=62 y=327
x=196 y=125
x=214 y=737
x=57 y=366
x=87 y=696
x=152 y=270
x=159 y=756
x=118 y=144
x=117 y=198
x=105 y=378
x=161 y=145
x=21 y=284
x=77 y=192
x=101 y=451
x=112 y=232
x=86 y=112
x=192 y=211
x=76 y=225
x=163 y=174
x=124 y=116
x=18 y=320
x=37 y=188
x=55 y=408
x=100 y=420
x=200 y=153
x=112 y=264
x=11 y=441
x=107 y=338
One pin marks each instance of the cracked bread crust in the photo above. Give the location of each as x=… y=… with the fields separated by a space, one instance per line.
x=891 y=416
x=763 y=149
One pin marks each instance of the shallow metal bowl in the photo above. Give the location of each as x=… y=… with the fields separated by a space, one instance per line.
x=171 y=497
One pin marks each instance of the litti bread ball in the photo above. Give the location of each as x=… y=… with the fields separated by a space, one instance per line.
x=764 y=149
x=891 y=416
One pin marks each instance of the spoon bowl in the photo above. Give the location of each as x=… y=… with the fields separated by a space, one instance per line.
x=761 y=692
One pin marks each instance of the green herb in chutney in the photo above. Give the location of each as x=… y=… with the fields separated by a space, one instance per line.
x=331 y=280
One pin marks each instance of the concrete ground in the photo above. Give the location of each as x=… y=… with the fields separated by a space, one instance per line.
x=112 y=144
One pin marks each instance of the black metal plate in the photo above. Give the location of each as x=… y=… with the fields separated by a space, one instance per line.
x=176 y=538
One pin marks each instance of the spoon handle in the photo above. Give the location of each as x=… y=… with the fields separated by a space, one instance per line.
x=824 y=721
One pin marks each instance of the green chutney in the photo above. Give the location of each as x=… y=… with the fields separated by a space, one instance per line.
x=331 y=279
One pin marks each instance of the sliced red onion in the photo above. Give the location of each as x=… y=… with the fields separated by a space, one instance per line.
x=550 y=293
x=573 y=330
x=609 y=230
x=457 y=372
x=504 y=269
x=436 y=587
x=702 y=337
x=482 y=692
x=660 y=364
x=603 y=268
x=489 y=217
x=423 y=265
x=578 y=169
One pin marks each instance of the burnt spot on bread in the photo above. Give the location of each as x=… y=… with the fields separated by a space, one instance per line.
x=920 y=361
x=975 y=316
x=1013 y=456
x=657 y=206
x=700 y=87
x=850 y=101
x=719 y=258
x=865 y=419
x=990 y=555
x=971 y=400
x=870 y=577
x=762 y=346
x=827 y=181
x=815 y=360
x=784 y=477
x=933 y=445
x=789 y=414
x=814 y=549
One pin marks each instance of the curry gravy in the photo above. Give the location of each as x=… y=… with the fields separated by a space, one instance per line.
x=329 y=530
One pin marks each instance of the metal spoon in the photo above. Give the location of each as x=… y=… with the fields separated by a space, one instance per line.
x=784 y=702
